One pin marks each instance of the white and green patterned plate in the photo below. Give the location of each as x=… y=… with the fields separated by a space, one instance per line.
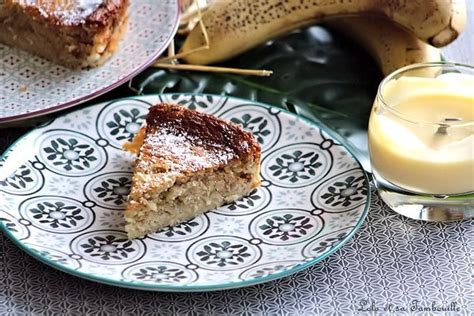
x=63 y=187
x=32 y=86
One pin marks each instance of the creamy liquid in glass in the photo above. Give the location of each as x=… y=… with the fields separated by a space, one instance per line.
x=406 y=145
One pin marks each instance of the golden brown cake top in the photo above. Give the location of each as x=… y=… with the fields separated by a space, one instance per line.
x=93 y=13
x=181 y=140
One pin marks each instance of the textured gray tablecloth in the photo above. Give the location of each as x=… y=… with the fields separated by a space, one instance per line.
x=393 y=263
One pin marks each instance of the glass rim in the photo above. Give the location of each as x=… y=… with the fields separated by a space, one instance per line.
x=407 y=118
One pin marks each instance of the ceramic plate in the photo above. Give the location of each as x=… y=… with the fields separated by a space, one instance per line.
x=63 y=188
x=31 y=86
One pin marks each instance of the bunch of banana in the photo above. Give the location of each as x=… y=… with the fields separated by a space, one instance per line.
x=395 y=32
x=391 y=46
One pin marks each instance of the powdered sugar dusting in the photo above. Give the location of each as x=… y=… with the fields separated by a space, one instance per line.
x=180 y=151
x=68 y=12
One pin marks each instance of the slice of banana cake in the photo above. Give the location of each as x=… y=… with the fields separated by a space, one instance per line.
x=188 y=163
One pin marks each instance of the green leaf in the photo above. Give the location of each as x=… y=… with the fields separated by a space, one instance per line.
x=318 y=74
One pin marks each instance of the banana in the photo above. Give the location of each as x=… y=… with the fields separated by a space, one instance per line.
x=234 y=26
x=391 y=46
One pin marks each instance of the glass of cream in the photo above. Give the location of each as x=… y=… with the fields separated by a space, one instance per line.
x=421 y=141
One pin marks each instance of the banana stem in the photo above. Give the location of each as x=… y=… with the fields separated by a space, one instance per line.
x=249 y=72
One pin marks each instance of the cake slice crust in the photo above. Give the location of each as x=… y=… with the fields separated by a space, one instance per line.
x=189 y=163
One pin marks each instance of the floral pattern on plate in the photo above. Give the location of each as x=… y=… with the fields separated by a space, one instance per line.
x=286 y=226
x=57 y=214
x=297 y=165
x=341 y=193
x=109 y=190
x=71 y=153
x=108 y=246
x=24 y=181
x=255 y=201
x=325 y=243
x=222 y=253
x=312 y=198
x=120 y=121
x=13 y=225
x=262 y=123
x=160 y=272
